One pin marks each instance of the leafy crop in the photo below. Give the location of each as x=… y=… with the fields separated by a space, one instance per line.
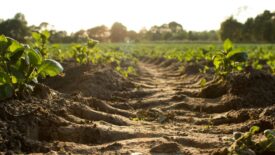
x=88 y=52
x=229 y=60
x=245 y=144
x=127 y=71
x=20 y=66
x=82 y=52
x=41 y=41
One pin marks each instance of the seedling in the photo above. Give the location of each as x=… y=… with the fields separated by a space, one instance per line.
x=83 y=52
x=244 y=142
x=229 y=60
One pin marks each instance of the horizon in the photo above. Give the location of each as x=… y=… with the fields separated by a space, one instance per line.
x=135 y=15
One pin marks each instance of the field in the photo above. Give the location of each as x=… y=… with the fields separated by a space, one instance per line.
x=170 y=98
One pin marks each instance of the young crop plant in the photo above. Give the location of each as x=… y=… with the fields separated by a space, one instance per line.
x=20 y=67
x=82 y=53
x=56 y=53
x=127 y=71
x=41 y=39
x=243 y=143
x=271 y=64
x=228 y=60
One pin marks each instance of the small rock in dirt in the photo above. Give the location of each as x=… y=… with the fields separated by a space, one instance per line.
x=166 y=148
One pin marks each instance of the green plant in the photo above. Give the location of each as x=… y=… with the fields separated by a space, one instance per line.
x=229 y=60
x=20 y=66
x=41 y=39
x=82 y=52
x=127 y=71
x=245 y=144
x=271 y=64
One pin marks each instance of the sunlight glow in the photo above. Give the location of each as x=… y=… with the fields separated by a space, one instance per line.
x=73 y=15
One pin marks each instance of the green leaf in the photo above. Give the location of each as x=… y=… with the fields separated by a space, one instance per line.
x=203 y=82
x=217 y=61
x=81 y=58
x=4 y=78
x=269 y=142
x=237 y=56
x=239 y=68
x=15 y=46
x=91 y=43
x=50 y=67
x=17 y=73
x=6 y=91
x=254 y=129
x=36 y=36
x=269 y=133
x=22 y=65
x=4 y=43
x=16 y=55
x=46 y=34
x=35 y=57
x=3 y=40
x=14 y=79
x=227 y=45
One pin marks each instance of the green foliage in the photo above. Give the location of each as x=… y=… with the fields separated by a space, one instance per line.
x=227 y=45
x=203 y=82
x=41 y=41
x=127 y=71
x=229 y=60
x=86 y=53
x=245 y=144
x=15 y=27
x=20 y=66
x=118 y=32
x=82 y=52
x=49 y=67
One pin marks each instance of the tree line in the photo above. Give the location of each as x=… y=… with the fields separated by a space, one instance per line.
x=258 y=29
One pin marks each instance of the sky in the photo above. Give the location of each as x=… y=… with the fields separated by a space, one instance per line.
x=73 y=15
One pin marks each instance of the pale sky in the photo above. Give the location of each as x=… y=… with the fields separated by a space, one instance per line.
x=73 y=15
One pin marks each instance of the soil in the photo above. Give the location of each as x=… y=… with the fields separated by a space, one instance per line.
x=161 y=110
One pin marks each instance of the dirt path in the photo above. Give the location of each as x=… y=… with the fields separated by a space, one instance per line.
x=157 y=111
x=190 y=129
x=173 y=126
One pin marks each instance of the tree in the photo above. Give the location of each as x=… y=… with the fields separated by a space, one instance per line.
x=143 y=34
x=15 y=28
x=175 y=27
x=118 y=32
x=132 y=36
x=192 y=36
x=248 y=30
x=43 y=26
x=100 y=33
x=213 y=35
x=80 y=36
x=258 y=29
x=231 y=29
x=59 y=37
x=263 y=27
